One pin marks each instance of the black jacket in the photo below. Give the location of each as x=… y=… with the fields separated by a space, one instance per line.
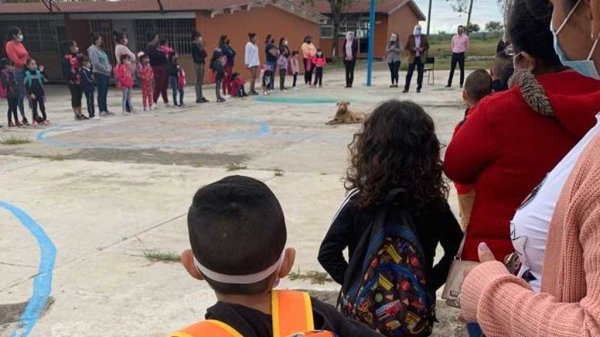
x=354 y=49
x=156 y=56
x=252 y=323
x=87 y=79
x=172 y=69
x=433 y=226
x=9 y=83
x=198 y=52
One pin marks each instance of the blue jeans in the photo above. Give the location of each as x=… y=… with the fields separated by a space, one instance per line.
x=126 y=98
x=474 y=330
x=102 y=83
x=176 y=90
x=20 y=78
x=273 y=66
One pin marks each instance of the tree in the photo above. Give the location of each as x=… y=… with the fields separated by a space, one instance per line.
x=338 y=8
x=494 y=27
x=473 y=28
x=463 y=6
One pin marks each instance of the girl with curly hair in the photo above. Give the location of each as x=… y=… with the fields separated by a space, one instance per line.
x=397 y=148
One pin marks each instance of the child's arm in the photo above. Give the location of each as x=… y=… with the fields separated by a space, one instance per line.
x=331 y=253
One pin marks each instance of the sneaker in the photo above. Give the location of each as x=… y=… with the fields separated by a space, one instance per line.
x=46 y=122
x=146 y=109
x=18 y=124
x=418 y=91
x=199 y=101
x=34 y=123
x=96 y=117
x=153 y=107
x=204 y=100
x=25 y=121
x=11 y=125
x=221 y=100
x=108 y=113
x=405 y=91
x=254 y=93
x=448 y=86
x=84 y=117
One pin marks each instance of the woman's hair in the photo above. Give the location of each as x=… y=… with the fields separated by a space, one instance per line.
x=251 y=35
x=294 y=53
x=281 y=41
x=12 y=31
x=119 y=36
x=195 y=35
x=307 y=38
x=68 y=44
x=528 y=31
x=124 y=57
x=151 y=36
x=268 y=39
x=397 y=148
x=222 y=39
x=28 y=61
x=85 y=59
x=95 y=37
x=397 y=43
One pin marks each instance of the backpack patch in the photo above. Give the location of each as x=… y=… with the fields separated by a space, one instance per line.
x=390 y=293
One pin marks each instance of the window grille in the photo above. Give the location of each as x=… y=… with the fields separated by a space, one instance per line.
x=40 y=35
x=104 y=28
x=178 y=32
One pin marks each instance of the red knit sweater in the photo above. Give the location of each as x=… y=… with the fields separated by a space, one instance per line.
x=506 y=149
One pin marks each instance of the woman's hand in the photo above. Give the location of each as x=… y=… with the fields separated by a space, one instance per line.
x=485 y=255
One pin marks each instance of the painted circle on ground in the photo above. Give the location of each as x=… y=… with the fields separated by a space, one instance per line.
x=143 y=134
x=295 y=100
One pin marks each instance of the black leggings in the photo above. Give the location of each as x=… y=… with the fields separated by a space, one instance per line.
x=394 y=71
x=12 y=109
x=76 y=94
x=89 y=99
x=295 y=79
x=319 y=76
x=307 y=73
x=39 y=100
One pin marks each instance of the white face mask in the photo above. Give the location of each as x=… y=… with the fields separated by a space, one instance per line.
x=20 y=37
x=393 y=38
x=585 y=67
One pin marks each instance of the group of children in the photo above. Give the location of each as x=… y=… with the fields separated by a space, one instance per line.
x=290 y=65
x=34 y=79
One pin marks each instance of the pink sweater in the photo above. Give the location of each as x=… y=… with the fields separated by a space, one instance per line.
x=569 y=304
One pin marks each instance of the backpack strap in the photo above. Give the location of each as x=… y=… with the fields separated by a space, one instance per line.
x=28 y=78
x=292 y=312
x=208 y=328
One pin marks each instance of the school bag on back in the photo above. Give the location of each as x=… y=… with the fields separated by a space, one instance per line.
x=291 y=316
x=384 y=285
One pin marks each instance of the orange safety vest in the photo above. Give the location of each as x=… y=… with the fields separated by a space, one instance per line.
x=292 y=316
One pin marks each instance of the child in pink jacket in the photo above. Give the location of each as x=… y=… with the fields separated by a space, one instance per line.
x=319 y=62
x=124 y=79
x=294 y=67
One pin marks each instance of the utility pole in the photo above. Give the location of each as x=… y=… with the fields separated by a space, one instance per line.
x=429 y=17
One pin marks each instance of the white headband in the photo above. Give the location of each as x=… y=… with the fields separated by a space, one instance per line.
x=239 y=279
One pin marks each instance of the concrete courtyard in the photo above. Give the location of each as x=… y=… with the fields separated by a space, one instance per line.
x=106 y=193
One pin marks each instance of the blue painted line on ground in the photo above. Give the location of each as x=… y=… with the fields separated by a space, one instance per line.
x=44 y=137
x=42 y=282
x=295 y=100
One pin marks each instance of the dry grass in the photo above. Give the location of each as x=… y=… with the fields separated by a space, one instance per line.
x=236 y=167
x=157 y=256
x=315 y=277
x=12 y=140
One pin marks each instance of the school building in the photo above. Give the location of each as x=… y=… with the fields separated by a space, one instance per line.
x=391 y=16
x=46 y=24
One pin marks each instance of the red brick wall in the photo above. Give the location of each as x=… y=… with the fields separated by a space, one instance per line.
x=264 y=20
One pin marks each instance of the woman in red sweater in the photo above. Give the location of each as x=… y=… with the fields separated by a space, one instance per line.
x=505 y=149
x=18 y=55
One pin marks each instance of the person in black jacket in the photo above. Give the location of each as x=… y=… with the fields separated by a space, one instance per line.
x=217 y=65
x=158 y=61
x=398 y=148
x=88 y=85
x=350 y=51
x=199 y=56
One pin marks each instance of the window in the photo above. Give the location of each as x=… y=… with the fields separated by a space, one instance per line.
x=40 y=35
x=177 y=31
x=348 y=23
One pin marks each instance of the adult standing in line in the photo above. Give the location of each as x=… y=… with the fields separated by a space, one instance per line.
x=252 y=61
x=561 y=229
x=18 y=55
x=199 y=56
x=158 y=62
x=394 y=58
x=272 y=53
x=460 y=45
x=225 y=45
x=308 y=52
x=102 y=70
x=417 y=46
x=121 y=48
x=350 y=54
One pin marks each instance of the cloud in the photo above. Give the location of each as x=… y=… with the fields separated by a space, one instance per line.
x=445 y=19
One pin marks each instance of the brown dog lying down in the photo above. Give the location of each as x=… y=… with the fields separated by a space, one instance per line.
x=345 y=116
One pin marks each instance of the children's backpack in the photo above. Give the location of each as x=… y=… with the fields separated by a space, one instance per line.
x=292 y=316
x=384 y=285
x=29 y=78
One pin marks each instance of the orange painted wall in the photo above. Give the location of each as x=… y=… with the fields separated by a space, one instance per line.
x=403 y=22
x=260 y=20
x=381 y=32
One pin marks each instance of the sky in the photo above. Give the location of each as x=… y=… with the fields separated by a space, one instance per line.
x=444 y=19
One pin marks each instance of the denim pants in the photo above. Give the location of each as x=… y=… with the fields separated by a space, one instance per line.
x=126 y=98
x=102 y=83
x=19 y=75
x=176 y=90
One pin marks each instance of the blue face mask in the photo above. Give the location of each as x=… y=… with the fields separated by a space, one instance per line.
x=584 y=67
